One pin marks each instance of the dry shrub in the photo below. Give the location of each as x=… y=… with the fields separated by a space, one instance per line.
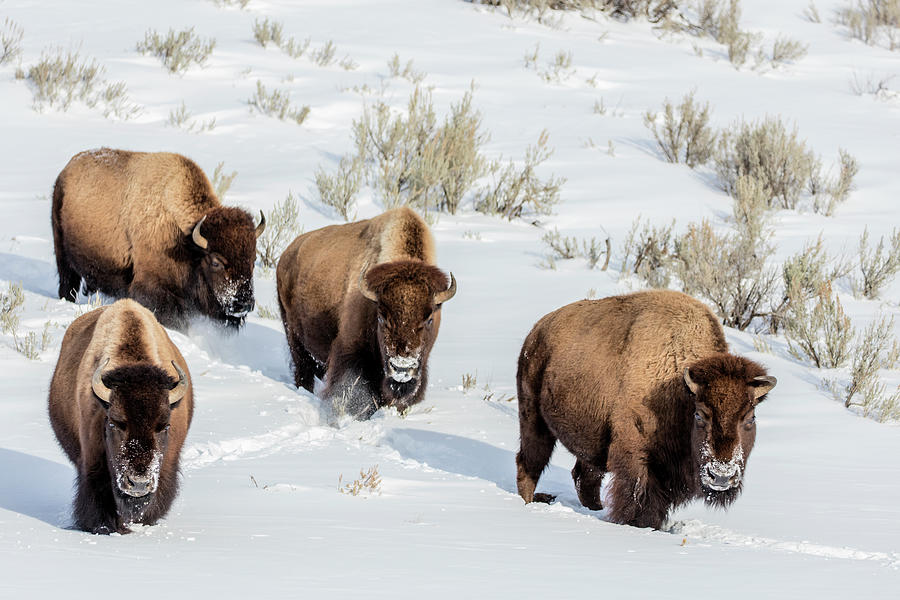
x=277 y=103
x=654 y=10
x=828 y=192
x=821 y=332
x=649 y=252
x=877 y=266
x=267 y=32
x=728 y=270
x=181 y=117
x=324 y=56
x=62 y=77
x=685 y=136
x=10 y=305
x=565 y=247
x=787 y=50
x=368 y=482
x=875 y=349
x=221 y=181
x=178 y=50
x=339 y=190
x=416 y=162
x=59 y=78
x=767 y=152
x=515 y=192
x=397 y=69
x=872 y=21
x=11 y=35
x=282 y=226
x=411 y=159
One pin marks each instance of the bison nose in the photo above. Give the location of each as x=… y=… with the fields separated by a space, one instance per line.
x=245 y=306
x=137 y=485
x=403 y=368
x=722 y=480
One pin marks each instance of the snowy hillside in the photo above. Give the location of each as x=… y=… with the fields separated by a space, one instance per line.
x=260 y=510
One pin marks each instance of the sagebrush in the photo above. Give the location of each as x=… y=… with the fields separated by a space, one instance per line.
x=282 y=226
x=277 y=103
x=11 y=35
x=178 y=50
x=684 y=135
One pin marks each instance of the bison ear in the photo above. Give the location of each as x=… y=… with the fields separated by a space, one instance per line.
x=694 y=387
x=762 y=385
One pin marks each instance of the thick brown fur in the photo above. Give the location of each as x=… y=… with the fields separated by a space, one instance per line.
x=140 y=374
x=606 y=379
x=122 y=222
x=335 y=332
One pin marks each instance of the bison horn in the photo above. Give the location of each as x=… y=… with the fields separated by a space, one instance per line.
x=197 y=236
x=180 y=389
x=262 y=224
x=100 y=389
x=762 y=385
x=694 y=387
x=364 y=288
x=442 y=297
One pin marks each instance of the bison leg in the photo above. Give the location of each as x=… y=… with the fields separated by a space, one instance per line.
x=587 y=480
x=69 y=279
x=95 y=508
x=535 y=449
x=306 y=368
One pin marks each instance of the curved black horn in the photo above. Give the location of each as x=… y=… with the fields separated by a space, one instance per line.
x=180 y=389
x=100 y=389
x=196 y=235
x=442 y=297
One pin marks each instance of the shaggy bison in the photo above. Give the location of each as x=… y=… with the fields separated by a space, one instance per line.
x=148 y=226
x=361 y=304
x=641 y=386
x=121 y=402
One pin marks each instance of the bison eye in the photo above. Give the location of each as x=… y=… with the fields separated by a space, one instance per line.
x=216 y=264
x=429 y=322
x=160 y=428
x=699 y=418
x=113 y=424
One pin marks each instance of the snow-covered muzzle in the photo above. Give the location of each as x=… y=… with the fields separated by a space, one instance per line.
x=717 y=475
x=235 y=296
x=136 y=482
x=403 y=369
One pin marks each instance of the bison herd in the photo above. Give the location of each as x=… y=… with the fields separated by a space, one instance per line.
x=640 y=386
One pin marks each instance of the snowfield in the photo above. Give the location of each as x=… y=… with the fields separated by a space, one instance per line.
x=260 y=510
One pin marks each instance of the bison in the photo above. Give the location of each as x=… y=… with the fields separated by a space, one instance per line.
x=149 y=226
x=361 y=306
x=120 y=404
x=641 y=386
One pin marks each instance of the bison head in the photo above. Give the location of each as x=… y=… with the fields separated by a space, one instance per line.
x=137 y=401
x=725 y=390
x=225 y=239
x=408 y=296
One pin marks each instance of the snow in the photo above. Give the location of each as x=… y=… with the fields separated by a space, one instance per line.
x=259 y=511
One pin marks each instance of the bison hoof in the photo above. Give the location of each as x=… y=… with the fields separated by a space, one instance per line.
x=544 y=498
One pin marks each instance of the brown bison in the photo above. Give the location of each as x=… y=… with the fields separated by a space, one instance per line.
x=361 y=304
x=148 y=226
x=121 y=402
x=641 y=386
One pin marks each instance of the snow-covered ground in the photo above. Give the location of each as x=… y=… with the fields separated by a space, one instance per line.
x=260 y=510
